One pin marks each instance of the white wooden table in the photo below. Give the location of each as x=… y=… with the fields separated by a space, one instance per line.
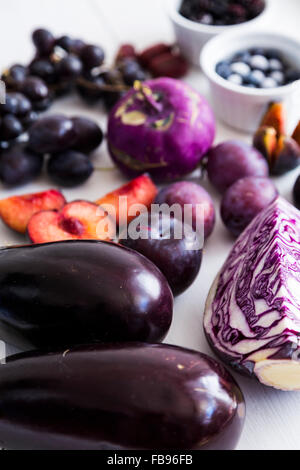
x=273 y=417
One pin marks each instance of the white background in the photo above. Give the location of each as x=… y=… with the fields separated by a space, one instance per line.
x=273 y=417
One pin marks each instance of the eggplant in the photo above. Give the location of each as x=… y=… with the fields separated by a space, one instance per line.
x=73 y=292
x=122 y=397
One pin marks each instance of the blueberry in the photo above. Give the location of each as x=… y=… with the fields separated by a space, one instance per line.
x=240 y=68
x=292 y=75
x=278 y=76
x=259 y=62
x=235 y=78
x=223 y=69
x=256 y=78
x=273 y=54
x=269 y=82
x=242 y=57
x=275 y=64
x=258 y=51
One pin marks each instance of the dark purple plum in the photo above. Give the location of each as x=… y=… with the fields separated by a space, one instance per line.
x=177 y=258
x=19 y=165
x=44 y=41
x=51 y=134
x=232 y=160
x=66 y=293
x=88 y=134
x=244 y=200
x=186 y=192
x=296 y=193
x=125 y=397
x=69 y=168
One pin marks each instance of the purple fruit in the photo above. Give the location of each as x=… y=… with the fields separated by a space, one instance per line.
x=175 y=257
x=52 y=134
x=186 y=192
x=244 y=200
x=296 y=193
x=232 y=160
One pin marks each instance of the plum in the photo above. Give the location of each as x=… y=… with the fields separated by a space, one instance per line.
x=140 y=190
x=78 y=220
x=119 y=397
x=186 y=192
x=75 y=292
x=232 y=160
x=177 y=258
x=16 y=211
x=296 y=193
x=51 y=134
x=244 y=200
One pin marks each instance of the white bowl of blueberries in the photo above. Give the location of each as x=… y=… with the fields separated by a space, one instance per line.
x=197 y=21
x=249 y=70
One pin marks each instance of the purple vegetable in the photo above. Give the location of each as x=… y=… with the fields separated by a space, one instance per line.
x=163 y=127
x=252 y=316
x=244 y=200
x=119 y=397
x=185 y=192
x=232 y=160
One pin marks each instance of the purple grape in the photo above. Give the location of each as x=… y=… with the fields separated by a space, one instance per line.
x=37 y=91
x=232 y=160
x=172 y=256
x=44 y=41
x=88 y=135
x=15 y=76
x=92 y=56
x=19 y=165
x=69 y=68
x=11 y=127
x=52 y=134
x=44 y=69
x=69 y=168
x=244 y=200
x=185 y=192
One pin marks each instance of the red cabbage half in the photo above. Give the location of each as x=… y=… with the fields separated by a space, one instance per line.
x=252 y=316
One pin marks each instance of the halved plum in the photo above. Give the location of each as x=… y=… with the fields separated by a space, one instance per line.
x=78 y=220
x=16 y=211
x=140 y=190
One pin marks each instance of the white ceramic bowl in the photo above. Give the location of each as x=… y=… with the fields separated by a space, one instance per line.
x=238 y=106
x=192 y=36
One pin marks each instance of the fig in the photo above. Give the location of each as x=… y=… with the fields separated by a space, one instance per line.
x=296 y=134
x=275 y=117
x=286 y=156
x=265 y=141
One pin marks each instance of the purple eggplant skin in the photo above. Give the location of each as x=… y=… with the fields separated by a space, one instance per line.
x=119 y=397
x=73 y=292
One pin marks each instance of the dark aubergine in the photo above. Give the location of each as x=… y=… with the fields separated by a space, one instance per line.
x=73 y=292
x=121 y=397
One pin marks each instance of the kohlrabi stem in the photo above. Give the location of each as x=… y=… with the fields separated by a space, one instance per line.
x=148 y=95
